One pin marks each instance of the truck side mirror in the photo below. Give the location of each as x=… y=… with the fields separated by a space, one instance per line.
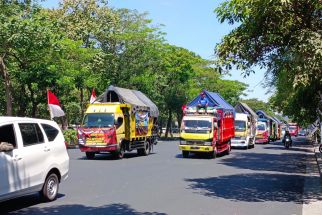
x=119 y=122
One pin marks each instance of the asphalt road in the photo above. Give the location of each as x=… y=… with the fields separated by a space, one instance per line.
x=265 y=180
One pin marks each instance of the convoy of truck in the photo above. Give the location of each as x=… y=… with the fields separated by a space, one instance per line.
x=123 y=120
x=120 y=120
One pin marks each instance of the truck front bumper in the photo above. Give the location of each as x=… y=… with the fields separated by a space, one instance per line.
x=106 y=148
x=239 y=143
x=195 y=148
x=261 y=140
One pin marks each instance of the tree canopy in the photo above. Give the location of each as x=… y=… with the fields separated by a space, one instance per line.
x=285 y=39
x=85 y=44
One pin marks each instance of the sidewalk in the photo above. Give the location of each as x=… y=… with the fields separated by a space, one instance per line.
x=318 y=157
x=313 y=182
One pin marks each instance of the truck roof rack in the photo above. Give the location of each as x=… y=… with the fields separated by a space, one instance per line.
x=195 y=111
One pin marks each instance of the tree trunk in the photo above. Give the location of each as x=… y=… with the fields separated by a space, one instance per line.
x=33 y=103
x=21 y=109
x=81 y=102
x=179 y=118
x=168 y=123
x=6 y=78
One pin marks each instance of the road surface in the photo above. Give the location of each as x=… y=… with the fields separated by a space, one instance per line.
x=265 y=180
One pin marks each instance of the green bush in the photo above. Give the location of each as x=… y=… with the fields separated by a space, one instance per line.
x=70 y=137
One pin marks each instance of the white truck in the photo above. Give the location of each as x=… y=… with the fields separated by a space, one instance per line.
x=245 y=127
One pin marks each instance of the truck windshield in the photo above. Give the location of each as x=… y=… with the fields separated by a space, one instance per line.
x=240 y=125
x=197 y=125
x=98 y=120
x=261 y=127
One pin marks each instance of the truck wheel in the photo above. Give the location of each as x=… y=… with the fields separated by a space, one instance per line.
x=146 y=150
x=213 y=154
x=90 y=155
x=119 y=154
x=50 y=188
x=229 y=149
x=185 y=154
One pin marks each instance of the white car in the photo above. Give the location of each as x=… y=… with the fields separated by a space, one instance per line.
x=33 y=157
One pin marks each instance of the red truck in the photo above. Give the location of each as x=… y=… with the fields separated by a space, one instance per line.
x=208 y=132
x=294 y=129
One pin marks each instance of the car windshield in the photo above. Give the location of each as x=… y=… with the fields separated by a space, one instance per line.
x=197 y=124
x=292 y=128
x=240 y=125
x=98 y=120
x=261 y=127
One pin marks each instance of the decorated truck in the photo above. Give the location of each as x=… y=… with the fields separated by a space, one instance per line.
x=207 y=130
x=119 y=120
x=293 y=128
x=264 y=130
x=245 y=126
x=278 y=128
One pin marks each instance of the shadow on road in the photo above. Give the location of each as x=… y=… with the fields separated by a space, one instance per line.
x=294 y=149
x=256 y=187
x=194 y=155
x=299 y=145
x=285 y=162
x=22 y=202
x=108 y=156
x=114 y=209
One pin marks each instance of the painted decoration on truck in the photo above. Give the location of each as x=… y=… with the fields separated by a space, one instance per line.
x=96 y=136
x=141 y=123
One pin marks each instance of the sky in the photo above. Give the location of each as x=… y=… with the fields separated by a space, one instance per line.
x=192 y=25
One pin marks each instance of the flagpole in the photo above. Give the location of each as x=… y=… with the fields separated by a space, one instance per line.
x=48 y=104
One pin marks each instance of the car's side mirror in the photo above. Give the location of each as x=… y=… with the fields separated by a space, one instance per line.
x=6 y=147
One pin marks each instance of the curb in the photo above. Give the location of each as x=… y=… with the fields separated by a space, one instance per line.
x=318 y=158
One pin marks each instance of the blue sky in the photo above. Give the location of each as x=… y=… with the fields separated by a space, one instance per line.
x=192 y=25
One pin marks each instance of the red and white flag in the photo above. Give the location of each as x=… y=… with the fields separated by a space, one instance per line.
x=93 y=97
x=54 y=106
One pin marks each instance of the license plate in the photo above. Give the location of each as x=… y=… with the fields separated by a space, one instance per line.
x=94 y=143
x=194 y=147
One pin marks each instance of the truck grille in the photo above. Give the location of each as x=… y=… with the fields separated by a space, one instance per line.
x=198 y=143
x=196 y=131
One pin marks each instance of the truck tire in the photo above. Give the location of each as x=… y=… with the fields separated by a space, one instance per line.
x=144 y=151
x=50 y=188
x=119 y=154
x=185 y=154
x=229 y=149
x=212 y=154
x=90 y=155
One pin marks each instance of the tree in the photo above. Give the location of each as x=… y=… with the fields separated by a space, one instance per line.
x=10 y=12
x=26 y=39
x=256 y=105
x=284 y=37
